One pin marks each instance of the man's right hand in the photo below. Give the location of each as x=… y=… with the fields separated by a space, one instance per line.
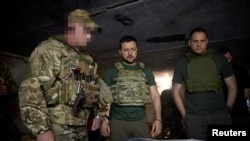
x=47 y=136
x=105 y=129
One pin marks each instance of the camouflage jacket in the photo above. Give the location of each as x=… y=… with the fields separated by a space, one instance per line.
x=50 y=87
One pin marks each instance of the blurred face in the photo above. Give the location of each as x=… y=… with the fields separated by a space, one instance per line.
x=128 y=52
x=198 y=43
x=229 y=57
x=77 y=35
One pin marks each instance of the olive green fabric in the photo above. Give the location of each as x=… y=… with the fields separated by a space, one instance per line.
x=203 y=102
x=202 y=73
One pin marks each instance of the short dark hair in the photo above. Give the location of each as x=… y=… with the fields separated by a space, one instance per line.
x=127 y=38
x=224 y=50
x=197 y=29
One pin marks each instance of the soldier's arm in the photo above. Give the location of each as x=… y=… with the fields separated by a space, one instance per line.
x=39 y=77
x=105 y=99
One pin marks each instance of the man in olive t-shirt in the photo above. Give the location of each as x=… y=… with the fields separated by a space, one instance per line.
x=200 y=72
x=130 y=82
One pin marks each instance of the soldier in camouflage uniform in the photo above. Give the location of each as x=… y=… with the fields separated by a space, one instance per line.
x=61 y=85
x=8 y=92
x=131 y=83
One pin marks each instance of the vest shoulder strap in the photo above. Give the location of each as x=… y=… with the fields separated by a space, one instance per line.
x=120 y=67
x=190 y=55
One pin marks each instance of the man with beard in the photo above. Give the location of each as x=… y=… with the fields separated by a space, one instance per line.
x=131 y=83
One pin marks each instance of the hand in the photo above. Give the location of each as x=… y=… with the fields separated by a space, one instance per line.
x=156 y=128
x=96 y=123
x=105 y=128
x=47 y=136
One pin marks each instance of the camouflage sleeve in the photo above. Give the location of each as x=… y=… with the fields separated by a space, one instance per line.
x=39 y=76
x=105 y=98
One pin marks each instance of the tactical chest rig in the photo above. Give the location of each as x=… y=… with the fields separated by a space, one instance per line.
x=78 y=84
x=131 y=87
x=202 y=73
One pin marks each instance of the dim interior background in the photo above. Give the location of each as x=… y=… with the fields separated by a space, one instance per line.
x=161 y=27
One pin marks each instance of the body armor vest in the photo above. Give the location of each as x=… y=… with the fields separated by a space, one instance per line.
x=131 y=87
x=202 y=74
x=74 y=74
x=77 y=76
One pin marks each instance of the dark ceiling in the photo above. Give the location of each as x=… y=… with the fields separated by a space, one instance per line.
x=157 y=24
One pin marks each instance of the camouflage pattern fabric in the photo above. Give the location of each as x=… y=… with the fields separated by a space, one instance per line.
x=83 y=17
x=69 y=132
x=105 y=97
x=131 y=87
x=53 y=77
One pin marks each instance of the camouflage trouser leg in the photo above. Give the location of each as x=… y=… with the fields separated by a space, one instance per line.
x=69 y=133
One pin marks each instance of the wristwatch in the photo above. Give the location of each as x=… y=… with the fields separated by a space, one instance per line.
x=99 y=117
